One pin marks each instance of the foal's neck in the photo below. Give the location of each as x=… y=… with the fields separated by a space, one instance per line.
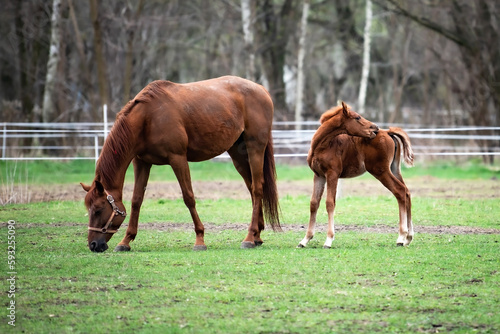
x=329 y=129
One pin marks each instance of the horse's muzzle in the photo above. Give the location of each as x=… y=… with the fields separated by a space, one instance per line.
x=98 y=246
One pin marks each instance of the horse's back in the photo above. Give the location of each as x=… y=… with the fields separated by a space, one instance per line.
x=202 y=119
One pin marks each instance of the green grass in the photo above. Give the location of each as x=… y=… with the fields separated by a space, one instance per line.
x=441 y=283
x=363 y=284
x=41 y=172
x=365 y=211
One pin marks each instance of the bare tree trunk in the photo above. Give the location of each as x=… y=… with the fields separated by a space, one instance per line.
x=300 y=65
x=273 y=34
x=366 y=59
x=49 y=107
x=129 y=56
x=248 y=18
x=99 y=55
x=400 y=78
x=85 y=72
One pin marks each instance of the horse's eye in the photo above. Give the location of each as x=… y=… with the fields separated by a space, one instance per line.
x=358 y=118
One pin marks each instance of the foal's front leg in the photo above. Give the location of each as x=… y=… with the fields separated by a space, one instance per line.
x=331 y=193
x=319 y=187
x=141 y=173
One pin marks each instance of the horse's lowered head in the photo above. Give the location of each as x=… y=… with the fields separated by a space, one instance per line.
x=351 y=122
x=105 y=215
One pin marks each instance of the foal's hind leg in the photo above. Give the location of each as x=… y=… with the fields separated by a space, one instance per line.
x=319 y=187
x=331 y=193
x=409 y=222
x=402 y=194
x=141 y=173
x=239 y=155
x=181 y=169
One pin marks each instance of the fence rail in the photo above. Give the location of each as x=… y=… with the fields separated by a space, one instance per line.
x=83 y=141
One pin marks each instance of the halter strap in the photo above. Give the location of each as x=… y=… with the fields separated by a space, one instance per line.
x=116 y=212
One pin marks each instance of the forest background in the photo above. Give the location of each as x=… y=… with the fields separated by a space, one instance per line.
x=429 y=62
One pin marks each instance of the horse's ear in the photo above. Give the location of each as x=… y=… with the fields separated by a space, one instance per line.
x=99 y=187
x=344 y=109
x=85 y=187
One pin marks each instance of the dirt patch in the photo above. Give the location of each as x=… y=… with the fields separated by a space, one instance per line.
x=211 y=228
x=419 y=187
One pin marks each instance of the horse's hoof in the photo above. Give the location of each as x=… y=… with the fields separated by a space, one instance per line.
x=200 y=248
x=400 y=244
x=247 y=244
x=326 y=247
x=301 y=246
x=122 y=248
x=259 y=243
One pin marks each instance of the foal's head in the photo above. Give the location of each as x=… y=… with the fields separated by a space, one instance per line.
x=351 y=122
x=105 y=216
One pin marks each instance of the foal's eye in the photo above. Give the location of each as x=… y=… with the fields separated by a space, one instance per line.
x=358 y=118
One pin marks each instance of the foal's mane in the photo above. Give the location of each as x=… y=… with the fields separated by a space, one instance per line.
x=120 y=140
x=330 y=113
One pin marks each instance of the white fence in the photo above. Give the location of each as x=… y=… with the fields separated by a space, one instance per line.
x=73 y=141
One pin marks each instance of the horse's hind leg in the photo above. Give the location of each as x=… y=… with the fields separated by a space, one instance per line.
x=255 y=147
x=141 y=174
x=239 y=155
x=319 y=187
x=180 y=167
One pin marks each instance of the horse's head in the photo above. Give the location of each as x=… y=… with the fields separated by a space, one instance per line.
x=355 y=125
x=105 y=216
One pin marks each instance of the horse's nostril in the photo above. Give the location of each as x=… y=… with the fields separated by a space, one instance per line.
x=92 y=246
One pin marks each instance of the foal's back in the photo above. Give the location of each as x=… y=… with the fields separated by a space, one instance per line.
x=350 y=156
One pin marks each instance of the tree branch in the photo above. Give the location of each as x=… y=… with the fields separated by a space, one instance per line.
x=449 y=34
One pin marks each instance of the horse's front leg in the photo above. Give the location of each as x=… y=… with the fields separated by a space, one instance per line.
x=141 y=173
x=331 y=193
x=180 y=167
x=319 y=187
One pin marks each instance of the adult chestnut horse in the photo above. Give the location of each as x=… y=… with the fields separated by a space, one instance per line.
x=170 y=123
x=347 y=145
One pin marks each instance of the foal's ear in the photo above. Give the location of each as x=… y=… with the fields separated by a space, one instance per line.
x=85 y=187
x=344 y=109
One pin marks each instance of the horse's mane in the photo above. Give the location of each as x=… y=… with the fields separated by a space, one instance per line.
x=116 y=148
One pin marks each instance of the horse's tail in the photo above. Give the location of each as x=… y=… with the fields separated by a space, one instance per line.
x=270 y=191
x=402 y=137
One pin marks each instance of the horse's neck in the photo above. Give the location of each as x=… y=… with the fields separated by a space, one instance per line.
x=113 y=183
x=112 y=167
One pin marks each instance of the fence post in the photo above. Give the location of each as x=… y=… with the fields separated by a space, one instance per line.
x=96 y=147
x=105 y=120
x=4 y=141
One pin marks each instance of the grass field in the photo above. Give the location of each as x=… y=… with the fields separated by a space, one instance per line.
x=443 y=282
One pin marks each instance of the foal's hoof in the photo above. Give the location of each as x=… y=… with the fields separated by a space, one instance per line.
x=400 y=244
x=247 y=244
x=258 y=243
x=301 y=246
x=326 y=247
x=200 y=248
x=122 y=248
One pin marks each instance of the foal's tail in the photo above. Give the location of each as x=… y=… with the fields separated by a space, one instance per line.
x=270 y=195
x=402 y=142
